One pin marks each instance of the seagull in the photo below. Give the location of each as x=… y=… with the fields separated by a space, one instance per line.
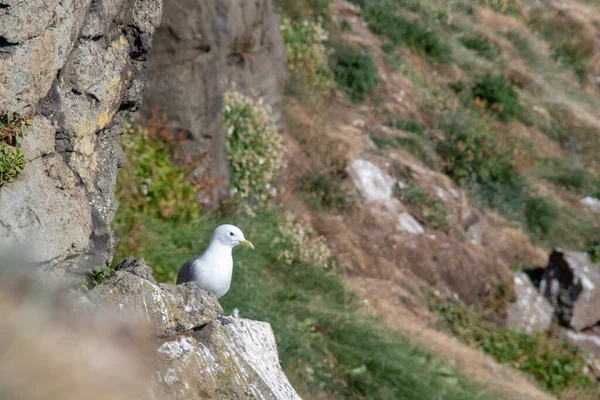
x=213 y=269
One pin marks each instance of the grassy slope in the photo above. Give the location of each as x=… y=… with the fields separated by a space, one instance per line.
x=327 y=346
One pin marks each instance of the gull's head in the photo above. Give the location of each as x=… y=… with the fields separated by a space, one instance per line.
x=230 y=235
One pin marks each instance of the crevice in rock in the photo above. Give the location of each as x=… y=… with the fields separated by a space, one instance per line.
x=92 y=97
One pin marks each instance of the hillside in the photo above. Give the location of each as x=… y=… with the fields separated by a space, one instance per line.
x=419 y=154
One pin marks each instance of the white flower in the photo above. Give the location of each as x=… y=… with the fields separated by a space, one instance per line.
x=234 y=191
x=267 y=185
x=230 y=130
x=261 y=161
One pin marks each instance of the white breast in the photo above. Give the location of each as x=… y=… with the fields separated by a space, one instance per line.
x=213 y=270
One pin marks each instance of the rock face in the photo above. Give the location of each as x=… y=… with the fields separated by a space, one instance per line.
x=201 y=49
x=572 y=284
x=76 y=66
x=531 y=312
x=197 y=356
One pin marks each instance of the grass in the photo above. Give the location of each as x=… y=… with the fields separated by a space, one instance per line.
x=554 y=364
x=428 y=210
x=482 y=45
x=498 y=96
x=418 y=146
x=327 y=345
x=355 y=72
x=383 y=19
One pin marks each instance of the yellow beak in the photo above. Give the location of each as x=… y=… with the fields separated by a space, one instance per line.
x=247 y=244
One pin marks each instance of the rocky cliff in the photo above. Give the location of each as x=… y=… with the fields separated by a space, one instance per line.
x=197 y=355
x=201 y=50
x=74 y=68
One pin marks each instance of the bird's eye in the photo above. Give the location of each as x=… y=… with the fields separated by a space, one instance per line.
x=230 y=233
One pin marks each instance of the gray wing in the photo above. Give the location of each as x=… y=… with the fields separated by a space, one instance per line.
x=185 y=273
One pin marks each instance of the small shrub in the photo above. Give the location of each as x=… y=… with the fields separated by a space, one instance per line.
x=497 y=94
x=149 y=183
x=427 y=209
x=417 y=145
x=12 y=163
x=383 y=20
x=482 y=45
x=96 y=277
x=572 y=178
x=355 y=72
x=593 y=249
x=307 y=55
x=324 y=192
x=550 y=360
x=12 y=158
x=254 y=148
x=408 y=125
x=540 y=215
x=508 y=7
x=300 y=243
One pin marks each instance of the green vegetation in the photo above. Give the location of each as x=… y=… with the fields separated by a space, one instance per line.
x=593 y=249
x=417 y=145
x=509 y=7
x=571 y=44
x=307 y=55
x=12 y=158
x=323 y=191
x=427 y=209
x=540 y=214
x=355 y=72
x=288 y=282
x=498 y=96
x=550 y=360
x=254 y=147
x=383 y=19
x=481 y=44
x=304 y=9
x=96 y=277
x=408 y=125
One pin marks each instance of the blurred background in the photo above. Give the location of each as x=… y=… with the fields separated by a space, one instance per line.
x=419 y=178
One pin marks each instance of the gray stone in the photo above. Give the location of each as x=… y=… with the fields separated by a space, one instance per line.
x=168 y=308
x=75 y=66
x=193 y=63
x=531 y=311
x=371 y=181
x=198 y=356
x=235 y=361
x=571 y=282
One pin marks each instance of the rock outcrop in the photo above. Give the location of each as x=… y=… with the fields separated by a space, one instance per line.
x=201 y=49
x=197 y=356
x=531 y=312
x=571 y=282
x=76 y=67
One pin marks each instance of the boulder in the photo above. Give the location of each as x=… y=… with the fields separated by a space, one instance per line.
x=198 y=355
x=571 y=282
x=235 y=361
x=76 y=67
x=531 y=311
x=201 y=49
x=372 y=182
x=168 y=308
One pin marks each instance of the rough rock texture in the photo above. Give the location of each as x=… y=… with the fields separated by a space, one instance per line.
x=572 y=284
x=168 y=308
x=77 y=66
x=531 y=312
x=197 y=356
x=201 y=49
